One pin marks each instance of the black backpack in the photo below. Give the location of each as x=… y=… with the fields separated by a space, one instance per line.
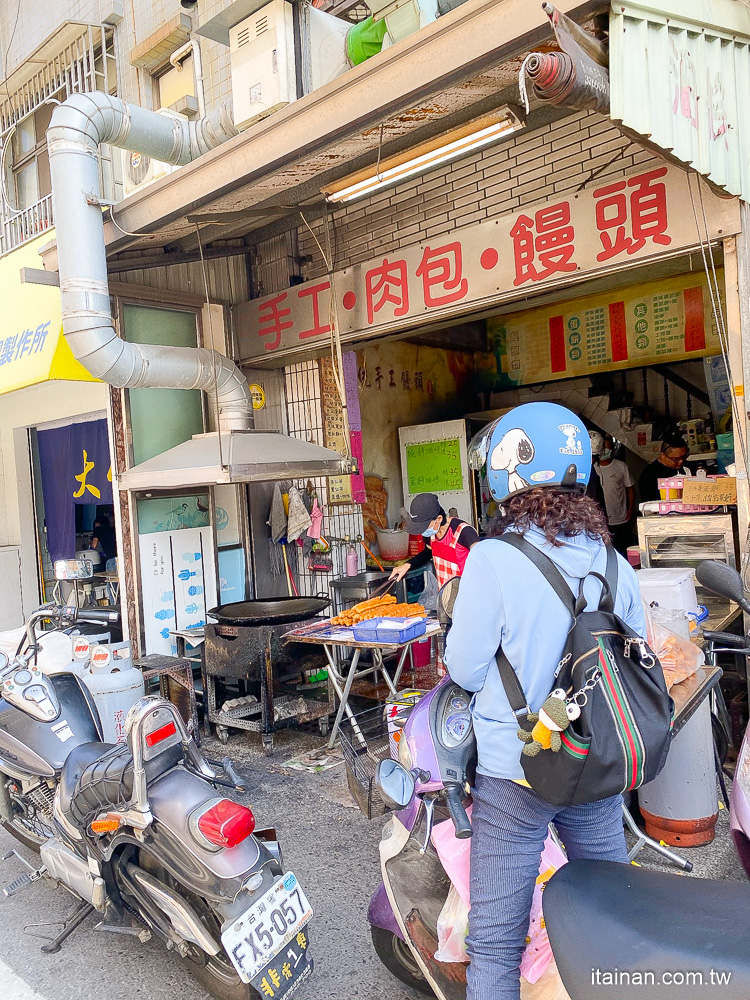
x=621 y=738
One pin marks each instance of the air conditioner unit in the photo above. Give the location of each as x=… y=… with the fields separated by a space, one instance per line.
x=138 y=170
x=263 y=58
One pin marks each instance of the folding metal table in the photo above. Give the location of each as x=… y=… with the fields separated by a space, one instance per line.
x=341 y=676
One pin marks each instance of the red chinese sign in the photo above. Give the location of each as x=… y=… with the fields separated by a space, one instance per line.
x=544 y=245
x=633 y=217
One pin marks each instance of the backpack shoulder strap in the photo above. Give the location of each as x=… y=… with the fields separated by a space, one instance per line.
x=546 y=567
x=512 y=686
x=609 y=593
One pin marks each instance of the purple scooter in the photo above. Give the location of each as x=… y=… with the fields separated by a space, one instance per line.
x=429 y=783
x=599 y=915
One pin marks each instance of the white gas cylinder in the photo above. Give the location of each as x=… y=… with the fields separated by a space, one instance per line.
x=116 y=685
x=80 y=647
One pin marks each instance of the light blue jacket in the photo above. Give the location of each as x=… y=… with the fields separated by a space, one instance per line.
x=503 y=598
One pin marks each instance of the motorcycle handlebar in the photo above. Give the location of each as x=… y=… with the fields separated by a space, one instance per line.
x=728 y=638
x=95 y=615
x=454 y=801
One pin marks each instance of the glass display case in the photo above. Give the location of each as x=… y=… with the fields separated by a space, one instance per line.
x=684 y=541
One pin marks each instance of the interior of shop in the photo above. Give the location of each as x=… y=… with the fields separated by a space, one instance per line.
x=639 y=355
x=73 y=504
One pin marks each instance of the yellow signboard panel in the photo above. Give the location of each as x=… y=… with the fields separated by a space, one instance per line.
x=32 y=346
x=647 y=324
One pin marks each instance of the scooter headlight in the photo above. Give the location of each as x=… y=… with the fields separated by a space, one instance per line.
x=404 y=753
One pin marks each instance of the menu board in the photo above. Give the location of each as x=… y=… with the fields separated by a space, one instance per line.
x=334 y=431
x=647 y=324
x=434 y=467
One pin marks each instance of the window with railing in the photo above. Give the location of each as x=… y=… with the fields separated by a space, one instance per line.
x=86 y=62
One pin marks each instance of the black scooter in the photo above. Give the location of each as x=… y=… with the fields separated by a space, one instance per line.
x=137 y=832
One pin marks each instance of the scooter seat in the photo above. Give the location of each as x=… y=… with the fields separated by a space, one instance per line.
x=615 y=927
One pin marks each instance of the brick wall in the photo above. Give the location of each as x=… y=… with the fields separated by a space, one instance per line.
x=527 y=168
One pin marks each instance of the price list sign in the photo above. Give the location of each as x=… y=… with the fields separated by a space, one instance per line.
x=647 y=324
x=434 y=467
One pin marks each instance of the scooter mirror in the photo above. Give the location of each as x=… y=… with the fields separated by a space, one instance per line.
x=446 y=598
x=395 y=783
x=721 y=579
x=73 y=569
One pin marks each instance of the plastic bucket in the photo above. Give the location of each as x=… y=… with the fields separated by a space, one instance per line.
x=393 y=543
x=421 y=652
x=634 y=556
x=416 y=544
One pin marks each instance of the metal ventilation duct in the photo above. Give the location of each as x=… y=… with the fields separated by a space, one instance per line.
x=78 y=127
x=248 y=456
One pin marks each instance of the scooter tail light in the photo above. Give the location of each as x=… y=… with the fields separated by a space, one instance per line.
x=226 y=823
x=160 y=734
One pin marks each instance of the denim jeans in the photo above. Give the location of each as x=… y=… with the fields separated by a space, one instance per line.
x=510 y=826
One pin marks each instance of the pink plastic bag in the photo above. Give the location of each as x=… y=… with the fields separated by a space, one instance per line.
x=454 y=855
x=538 y=952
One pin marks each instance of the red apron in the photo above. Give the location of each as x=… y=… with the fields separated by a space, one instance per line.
x=448 y=555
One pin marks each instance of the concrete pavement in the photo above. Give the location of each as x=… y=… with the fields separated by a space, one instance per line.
x=326 y=842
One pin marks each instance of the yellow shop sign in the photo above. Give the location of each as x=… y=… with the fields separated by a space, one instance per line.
x=32 y=346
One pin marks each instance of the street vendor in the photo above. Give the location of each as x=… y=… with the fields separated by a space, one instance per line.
x=670 y=462
x=447 y=540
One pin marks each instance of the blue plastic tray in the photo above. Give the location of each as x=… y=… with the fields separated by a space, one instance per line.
x=392 y=630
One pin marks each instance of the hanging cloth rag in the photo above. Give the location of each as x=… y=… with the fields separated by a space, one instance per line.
x=277 y=519
x=316 y=520
x=299 y=519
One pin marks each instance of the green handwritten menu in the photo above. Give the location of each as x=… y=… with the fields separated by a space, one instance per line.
x=434 y=467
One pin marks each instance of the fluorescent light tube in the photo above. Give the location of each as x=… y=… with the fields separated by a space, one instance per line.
x=399 y=168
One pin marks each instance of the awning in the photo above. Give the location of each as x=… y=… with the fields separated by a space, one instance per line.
x=244 y=457
x=32 y=346
x=463 y=65
x=680 y=76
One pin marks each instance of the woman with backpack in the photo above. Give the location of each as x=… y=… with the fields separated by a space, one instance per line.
x=538 y=464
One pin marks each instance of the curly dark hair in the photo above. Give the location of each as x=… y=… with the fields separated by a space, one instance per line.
x=556 y=511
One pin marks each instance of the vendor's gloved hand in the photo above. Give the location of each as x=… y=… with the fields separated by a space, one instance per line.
x=399 y=572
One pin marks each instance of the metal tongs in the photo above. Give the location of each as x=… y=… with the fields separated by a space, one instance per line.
x=383 y=589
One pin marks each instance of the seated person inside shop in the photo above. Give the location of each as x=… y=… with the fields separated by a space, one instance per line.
x=447 y=540
x=674 y=452
x=103 y=538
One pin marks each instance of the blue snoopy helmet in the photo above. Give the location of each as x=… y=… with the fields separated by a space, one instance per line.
x=536 y=444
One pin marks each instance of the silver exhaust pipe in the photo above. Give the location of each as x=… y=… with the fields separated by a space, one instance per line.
x=180 y=914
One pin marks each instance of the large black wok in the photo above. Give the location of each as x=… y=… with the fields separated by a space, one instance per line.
x=269 y=611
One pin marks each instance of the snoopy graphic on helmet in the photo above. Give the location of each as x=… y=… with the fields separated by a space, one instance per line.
x=572 y=445
x=513 y=449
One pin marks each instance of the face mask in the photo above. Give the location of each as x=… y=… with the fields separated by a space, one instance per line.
x=429 y=533
x=606 y=455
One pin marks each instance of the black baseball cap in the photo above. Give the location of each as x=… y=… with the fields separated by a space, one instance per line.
x=425 y=507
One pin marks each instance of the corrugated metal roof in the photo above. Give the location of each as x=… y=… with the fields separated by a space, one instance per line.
x=680 y=75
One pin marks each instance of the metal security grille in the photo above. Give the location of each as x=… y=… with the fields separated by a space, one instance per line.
x=85 y=63
x=341 y=521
